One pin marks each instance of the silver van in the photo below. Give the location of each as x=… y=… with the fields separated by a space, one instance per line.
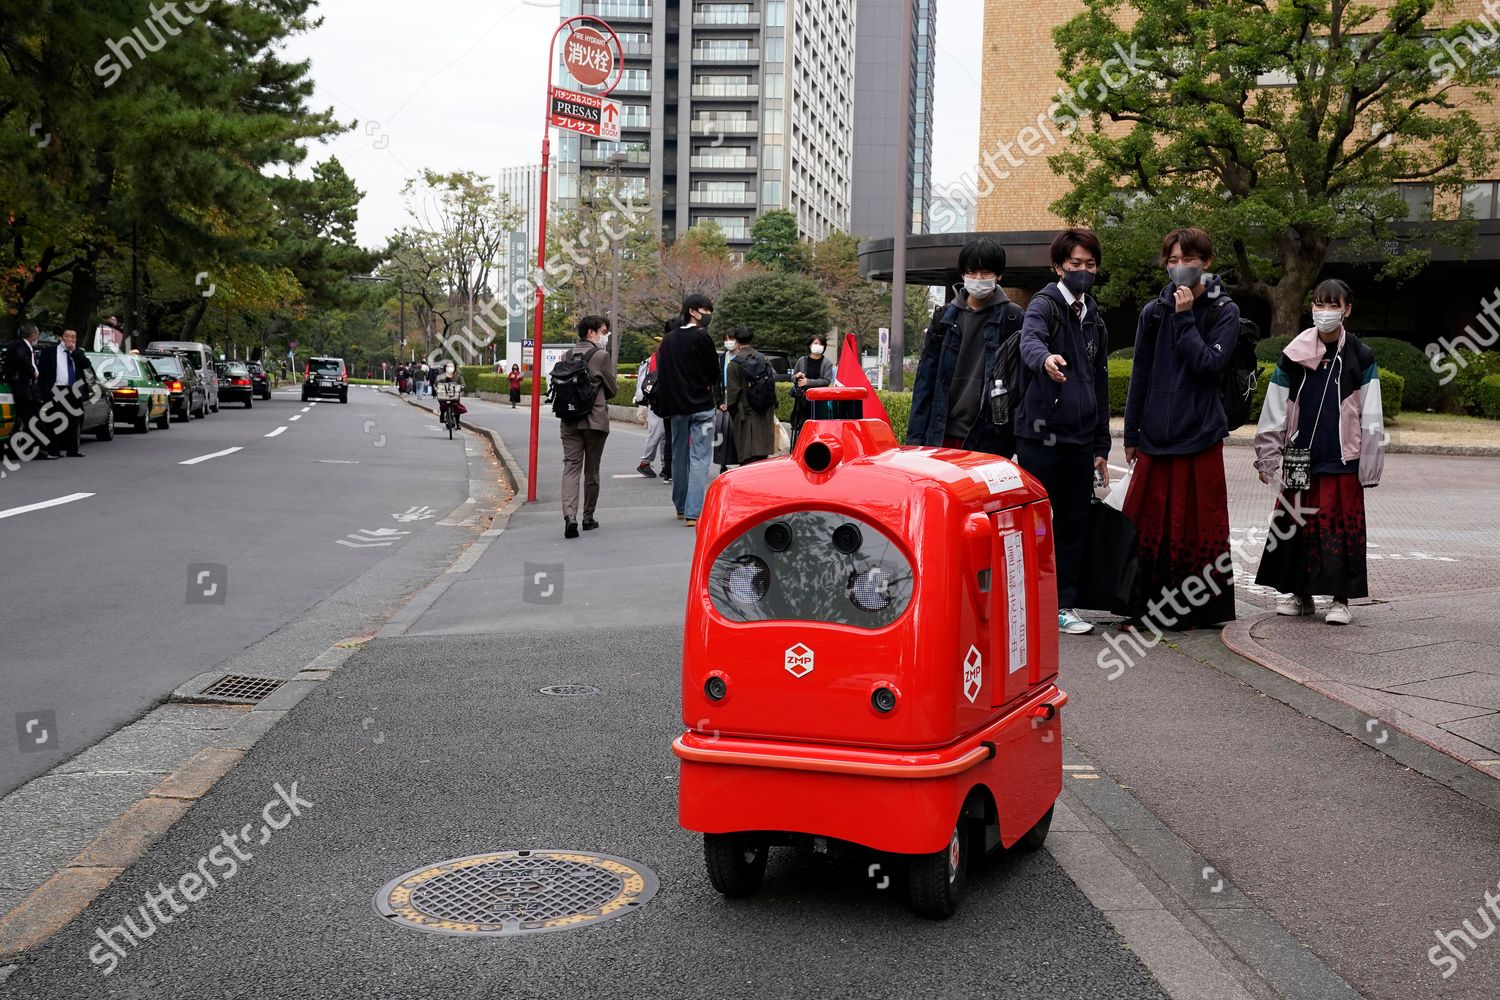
x=202 y=358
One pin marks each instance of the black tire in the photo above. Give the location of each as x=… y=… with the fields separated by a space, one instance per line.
x=449 y=422
x=143 y=424
x=736 y=862
x=344 y=398
x=185 y=415
x=106 y=432
x=214 y=408
x=249 y=402
x=935 y=882
x=1034 y=838
x=165 y=420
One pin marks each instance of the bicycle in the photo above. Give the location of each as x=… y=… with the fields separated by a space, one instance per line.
x=448 y=394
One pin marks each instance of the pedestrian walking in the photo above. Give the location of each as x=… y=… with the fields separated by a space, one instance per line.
x=656 y=431
x=515 y=386
x=1321 y=438
x=750 y=399
x=401 y=379
x=1174 y=440
x=814 y=370
x=961 y=359
x=1062 y=421
x=583 y=440
x=25 y=386
x=60 y=378
x=687 y=374
x=431 y=372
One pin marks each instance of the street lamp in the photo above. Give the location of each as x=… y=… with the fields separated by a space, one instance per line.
x=616 y=159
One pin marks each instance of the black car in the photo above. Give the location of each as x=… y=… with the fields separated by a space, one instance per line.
x=259 y=380
x=326 y=377
x=189 y=394
x=235 y=384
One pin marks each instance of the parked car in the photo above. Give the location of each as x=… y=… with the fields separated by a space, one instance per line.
x=201 y=357
x=136 y=392
x=235 y=385
x=189 y=396
x=326 y=377
x=259 y=380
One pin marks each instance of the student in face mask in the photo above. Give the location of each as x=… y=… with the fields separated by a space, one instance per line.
x=814 y=370
x=1324 y=398
x=960 y=354
x=1174 y=439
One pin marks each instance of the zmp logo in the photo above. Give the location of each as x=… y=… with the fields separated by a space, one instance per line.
x=799 y=661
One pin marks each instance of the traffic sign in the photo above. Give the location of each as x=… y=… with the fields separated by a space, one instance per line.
x=588 y=114
x=588 y=57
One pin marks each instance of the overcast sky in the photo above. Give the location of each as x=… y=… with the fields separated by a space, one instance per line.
x=459 y=85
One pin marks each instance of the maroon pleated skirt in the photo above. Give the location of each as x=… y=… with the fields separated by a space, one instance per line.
x=1180 y=507
x=1325 y=554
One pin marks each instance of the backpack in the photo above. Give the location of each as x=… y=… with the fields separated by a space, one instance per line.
x=648 y=383
x=571 y=388
x=1237 y=383
x=760 y=383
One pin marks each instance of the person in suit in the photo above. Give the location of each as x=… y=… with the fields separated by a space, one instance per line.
x=583 y=442
x=60 y=371
x=22 y=374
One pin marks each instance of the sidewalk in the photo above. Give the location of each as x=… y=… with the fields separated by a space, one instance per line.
x=1428 y=666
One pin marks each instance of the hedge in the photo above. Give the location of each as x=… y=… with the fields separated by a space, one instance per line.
x=1468 y=370
x=1488 y=396
x=1421 y=383
x=500 y=384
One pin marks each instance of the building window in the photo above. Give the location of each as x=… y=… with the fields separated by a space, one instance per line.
x=1482 y=199
x=1418 y=198
x=775 y=13
x=775 y=85
x=635 y=79
x=770 y=192
x=775 y=49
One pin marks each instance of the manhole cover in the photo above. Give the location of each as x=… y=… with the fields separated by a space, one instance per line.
x=568 y=690
x=516 y=892
x=239 y=688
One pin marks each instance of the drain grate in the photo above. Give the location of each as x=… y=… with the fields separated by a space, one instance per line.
x=568 y=690
x=516 y=892
x=241 y=689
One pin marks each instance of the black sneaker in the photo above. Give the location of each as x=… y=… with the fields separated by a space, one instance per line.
x=645 y=469
x=570 y=527
x=589 y=524
x=666 y=477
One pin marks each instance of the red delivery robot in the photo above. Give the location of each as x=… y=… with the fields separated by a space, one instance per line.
x=870 y=660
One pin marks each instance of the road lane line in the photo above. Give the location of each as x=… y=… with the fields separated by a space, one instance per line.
x=217 y=454
x=44 y=504
x=295 y=416
x=277 y=431
x=306 y=408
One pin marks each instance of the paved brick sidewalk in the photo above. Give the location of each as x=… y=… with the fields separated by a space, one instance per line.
x=1427 y=665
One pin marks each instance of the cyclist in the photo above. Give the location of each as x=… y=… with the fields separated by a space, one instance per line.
x=449 y=374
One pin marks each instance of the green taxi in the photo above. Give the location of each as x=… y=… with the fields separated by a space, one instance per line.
x=7 y=412
x=137 y=395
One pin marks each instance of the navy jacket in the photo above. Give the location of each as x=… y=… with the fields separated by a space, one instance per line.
x=929 y=391
x=1072 y=412
x=1173 y=407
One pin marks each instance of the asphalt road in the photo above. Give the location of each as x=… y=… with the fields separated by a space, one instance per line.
x=104 y=611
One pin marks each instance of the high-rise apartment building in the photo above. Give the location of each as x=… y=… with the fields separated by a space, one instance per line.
x=729 y=110
x=878 y=178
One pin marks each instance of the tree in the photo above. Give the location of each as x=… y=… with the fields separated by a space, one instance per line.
x=782 y=309
x=695 y=263
x=774 y=243
x=1277 y=125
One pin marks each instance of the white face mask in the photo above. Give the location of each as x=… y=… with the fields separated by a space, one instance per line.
x=604 y=339
x=730 y=345
x=1328 y=320
x=816 y=350
x=980 y=288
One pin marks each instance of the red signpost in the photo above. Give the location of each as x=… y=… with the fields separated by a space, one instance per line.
x=591 y=54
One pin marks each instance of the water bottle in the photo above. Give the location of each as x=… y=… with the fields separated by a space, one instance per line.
x=999 y=403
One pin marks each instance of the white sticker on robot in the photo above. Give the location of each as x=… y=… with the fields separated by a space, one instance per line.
x=799 y=661
x=973 y=674
x=1015 y=592
x=998 y=476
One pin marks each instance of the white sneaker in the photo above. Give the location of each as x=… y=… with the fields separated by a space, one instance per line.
x=1338 y=614
x=1291 y=604
x=1069 y=623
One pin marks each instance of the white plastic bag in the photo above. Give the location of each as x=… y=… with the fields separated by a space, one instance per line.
x=1117 y=490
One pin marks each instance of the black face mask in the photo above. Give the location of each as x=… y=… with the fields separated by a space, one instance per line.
x=1079 y=281
x=703 y=320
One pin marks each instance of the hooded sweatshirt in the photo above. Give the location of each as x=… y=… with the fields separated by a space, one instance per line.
x=1075 y=412
x=1173 y=407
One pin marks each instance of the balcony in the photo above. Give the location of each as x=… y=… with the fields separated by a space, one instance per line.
x=726 y=19
x=628 y=85
x=745 y=91
x=726 y=55
x=633 y=158
x=618 y=10
x=636 y=50
x=635 y=122
x=710 y=162
x=726 y=126
x=746 y=198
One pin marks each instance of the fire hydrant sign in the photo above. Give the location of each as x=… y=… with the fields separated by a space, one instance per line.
x=587 y=56
x=587 y=114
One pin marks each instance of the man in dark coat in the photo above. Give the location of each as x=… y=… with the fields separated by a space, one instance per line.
x=60 y=371
x=22 y=374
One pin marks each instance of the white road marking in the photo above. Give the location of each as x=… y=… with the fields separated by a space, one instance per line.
x=279 y=430
x=306 y=408
x=295 y=416
x=205 y=458
x=44 y=504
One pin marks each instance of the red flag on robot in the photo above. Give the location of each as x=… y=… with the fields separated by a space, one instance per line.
x=851 y=373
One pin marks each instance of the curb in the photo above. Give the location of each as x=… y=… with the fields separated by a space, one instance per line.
x=1237 y=637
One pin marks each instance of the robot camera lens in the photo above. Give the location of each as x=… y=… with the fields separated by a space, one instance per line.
x=870 y=589
x=847 y=538
x=716 y=689
x=884 y=699
x=778 y=537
